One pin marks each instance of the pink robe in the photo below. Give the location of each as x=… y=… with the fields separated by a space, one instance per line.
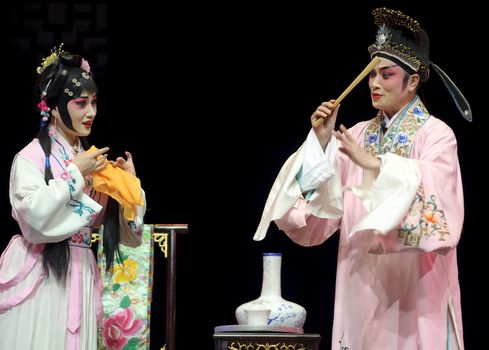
x=38 y=312
x=397 y=277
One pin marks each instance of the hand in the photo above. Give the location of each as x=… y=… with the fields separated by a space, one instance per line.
x=328 y=115
x=356 y=153
x=91 y=162
x=126 y=165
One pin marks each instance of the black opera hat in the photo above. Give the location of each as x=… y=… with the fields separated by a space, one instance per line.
x=402 y=40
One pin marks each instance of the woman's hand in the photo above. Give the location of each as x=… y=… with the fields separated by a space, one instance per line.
x=325 y=128
x=125 y=164
x=91 y=162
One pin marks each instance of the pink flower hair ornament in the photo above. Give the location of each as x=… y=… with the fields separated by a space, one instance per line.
x=44 y=111
x=43 y=107
x=85 y=66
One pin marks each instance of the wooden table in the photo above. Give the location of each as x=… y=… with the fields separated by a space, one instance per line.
x=263 y=338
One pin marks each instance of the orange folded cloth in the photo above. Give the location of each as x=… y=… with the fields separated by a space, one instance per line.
x=124 y=187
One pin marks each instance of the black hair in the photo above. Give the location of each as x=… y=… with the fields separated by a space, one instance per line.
x=60 y=82
x=405 y=81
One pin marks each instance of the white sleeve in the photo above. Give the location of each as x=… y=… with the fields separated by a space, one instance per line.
x=389 y=198
x=318 y=166
x=49 y=212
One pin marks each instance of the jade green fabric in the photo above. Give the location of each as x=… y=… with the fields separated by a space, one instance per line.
x=127 y=297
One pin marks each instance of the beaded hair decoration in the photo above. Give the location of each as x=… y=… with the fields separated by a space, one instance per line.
x=42 y=105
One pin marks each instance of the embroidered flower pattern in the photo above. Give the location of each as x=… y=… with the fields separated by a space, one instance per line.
x=400 y=135
x=81 y=209
x=372 y=138
x=121 y=329
x=402 y=138
x=81 y=239
x=126 y=272
x=418 y=111
x=65 y=175
x=127 y=287
x=78 y=207
x=77 y=238
x=425 y=220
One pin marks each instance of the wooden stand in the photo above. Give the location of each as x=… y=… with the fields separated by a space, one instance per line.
x=166 y=237
x=269 y=341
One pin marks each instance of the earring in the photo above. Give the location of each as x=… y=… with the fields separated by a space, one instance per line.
x=54 y=115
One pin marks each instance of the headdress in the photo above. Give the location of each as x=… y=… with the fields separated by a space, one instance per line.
x=42 y=105
x=70 y=72
x=401 y=39
x=46 y=61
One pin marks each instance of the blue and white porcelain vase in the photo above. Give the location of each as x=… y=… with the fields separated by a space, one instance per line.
x=283 y=312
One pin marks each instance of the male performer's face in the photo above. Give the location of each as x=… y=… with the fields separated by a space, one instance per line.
x=391 y=87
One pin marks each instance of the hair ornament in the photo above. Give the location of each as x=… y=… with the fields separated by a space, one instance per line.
x=85 y=66
x=43 y=107
x=46 y=61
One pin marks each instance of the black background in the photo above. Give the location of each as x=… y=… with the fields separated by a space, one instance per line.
x=211 y=100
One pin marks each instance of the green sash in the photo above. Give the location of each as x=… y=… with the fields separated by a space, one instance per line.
x=127 y=296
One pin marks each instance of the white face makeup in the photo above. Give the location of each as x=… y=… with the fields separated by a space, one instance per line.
x=82 y=111
x=388 y=87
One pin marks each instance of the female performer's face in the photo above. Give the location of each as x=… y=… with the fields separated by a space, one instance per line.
x=391 y=88
x=82 y=111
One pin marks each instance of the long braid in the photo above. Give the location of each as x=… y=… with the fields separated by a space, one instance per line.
x=55 y=256
x=111 y=233
x=45 y=143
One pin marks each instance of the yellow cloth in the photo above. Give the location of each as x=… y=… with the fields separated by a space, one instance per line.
x=124 y=187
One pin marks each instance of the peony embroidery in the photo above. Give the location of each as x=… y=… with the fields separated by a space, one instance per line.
x=121 y=328
x=133 y=291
